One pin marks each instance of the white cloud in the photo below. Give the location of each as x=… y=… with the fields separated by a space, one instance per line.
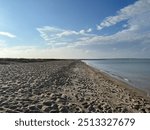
x=130 y=12
x=89 y=30
x=60 y=37
x=136 y=30
x=7 y=34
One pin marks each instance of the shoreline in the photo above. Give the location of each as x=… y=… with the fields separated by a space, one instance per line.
x=126 y=80
x=65 y=86
x=121 y=81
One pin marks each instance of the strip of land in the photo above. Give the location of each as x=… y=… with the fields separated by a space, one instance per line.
x=62 y=86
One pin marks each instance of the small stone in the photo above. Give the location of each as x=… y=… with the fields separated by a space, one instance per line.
x=147 y=110
x=54 y=111
x=4 y=87
x=148 y=106
x=54 y=106
x=47 y=103
x=60 y=100
x=64 y=109
x=46 y=109
x=52 y=95
x=136 y=107
x=85 y=105
x=33 y=107
x=81 y=99
x=87 y=99
x=91 y=109
x=109 y=111
x=78 y=110
x=63 y=96
x=39 y=106
x=124 y=110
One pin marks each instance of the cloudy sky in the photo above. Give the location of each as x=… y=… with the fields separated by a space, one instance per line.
x=75 y=28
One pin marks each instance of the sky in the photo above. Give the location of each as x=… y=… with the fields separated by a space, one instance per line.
x=74 y=29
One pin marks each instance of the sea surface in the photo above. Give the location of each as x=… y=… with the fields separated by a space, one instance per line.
x=135 y=72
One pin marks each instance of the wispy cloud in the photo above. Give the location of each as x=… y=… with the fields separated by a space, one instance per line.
x=135 y=31
x=60 y=37
x=130 y=12
x=7 y=34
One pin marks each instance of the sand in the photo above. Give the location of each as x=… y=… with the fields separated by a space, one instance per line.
x=64 y=86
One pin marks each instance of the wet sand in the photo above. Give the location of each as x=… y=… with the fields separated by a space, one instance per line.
x=64 y=86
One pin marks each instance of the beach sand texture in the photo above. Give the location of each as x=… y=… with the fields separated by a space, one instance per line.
x=64 y=86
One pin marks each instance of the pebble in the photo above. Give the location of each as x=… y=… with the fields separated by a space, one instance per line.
x=54 y=106
x=54 y=111
x=64 y=109
x=33 y=107
x=47 y=103
x=91 y=109
x=46 y=109
x=85 y=105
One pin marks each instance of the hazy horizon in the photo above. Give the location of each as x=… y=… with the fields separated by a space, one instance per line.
x=80 y=29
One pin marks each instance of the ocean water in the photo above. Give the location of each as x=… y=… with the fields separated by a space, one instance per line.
x=135 y=72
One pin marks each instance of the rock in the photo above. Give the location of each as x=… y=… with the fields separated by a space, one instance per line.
x=60 y=100
x=147 y=106
x=137 y=107
x=64 y=109
x=91 y=108
x=63 y=96
x=53 y=96
x=143 y=110
x=97 y=110
x=4 y=87
x=85 y=104
x=79 y=110
x=87 y=98
x=81 y=99
x=109 y=111
x=46 y=109
x=32 y=107
x=39 y=106
x=100 y=107
x=54 y=106
x=147 y=110
x=118 y=109
x=47 y=103
x=54 y=111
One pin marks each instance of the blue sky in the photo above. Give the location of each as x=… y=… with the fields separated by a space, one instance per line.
x=75 y=28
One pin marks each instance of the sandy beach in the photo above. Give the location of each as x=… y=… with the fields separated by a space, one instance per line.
x=64 y=86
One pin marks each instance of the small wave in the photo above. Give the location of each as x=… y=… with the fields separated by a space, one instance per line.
x=126 y=79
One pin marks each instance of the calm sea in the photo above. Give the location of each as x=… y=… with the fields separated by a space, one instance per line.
x=134 y=71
